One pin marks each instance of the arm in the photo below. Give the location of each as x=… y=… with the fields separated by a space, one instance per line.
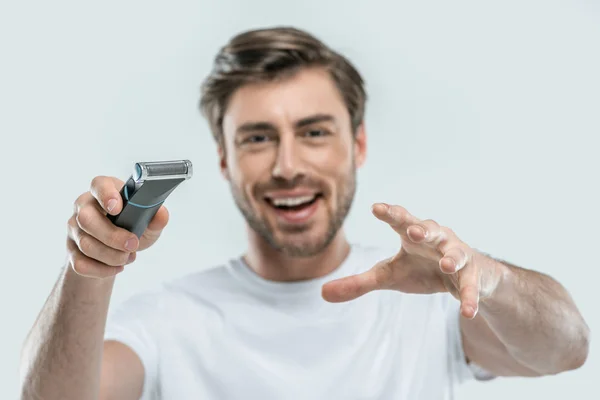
x=514 y=322
x=528 y=325
x=62 y=357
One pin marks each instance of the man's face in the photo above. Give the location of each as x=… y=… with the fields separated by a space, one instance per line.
x=290 y=156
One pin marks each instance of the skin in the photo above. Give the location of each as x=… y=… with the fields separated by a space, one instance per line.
x=276 y=155
x=514 y=322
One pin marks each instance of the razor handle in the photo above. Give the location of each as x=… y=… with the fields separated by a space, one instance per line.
x=141 y=201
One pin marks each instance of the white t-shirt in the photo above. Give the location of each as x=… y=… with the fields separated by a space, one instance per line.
x=227 y=333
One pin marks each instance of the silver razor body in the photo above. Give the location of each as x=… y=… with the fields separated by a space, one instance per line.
x=146 y=190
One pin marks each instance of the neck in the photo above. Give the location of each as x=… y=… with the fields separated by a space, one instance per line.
x=275 y=265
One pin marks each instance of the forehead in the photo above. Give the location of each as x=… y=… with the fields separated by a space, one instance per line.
x=308 y=92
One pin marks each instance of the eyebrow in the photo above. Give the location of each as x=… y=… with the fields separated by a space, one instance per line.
x=267 y=126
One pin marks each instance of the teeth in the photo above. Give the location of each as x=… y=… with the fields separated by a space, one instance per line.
x=292 y=201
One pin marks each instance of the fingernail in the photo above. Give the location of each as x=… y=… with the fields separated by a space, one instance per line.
x=380 y=207
x=111 y=204
x=474 y=310
x=130 y=258
x=422 y=231
x=453 y=264
x=470 y=310
x=130 y=244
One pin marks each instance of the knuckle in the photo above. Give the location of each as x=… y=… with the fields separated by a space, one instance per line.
x=71 y=226
x=85 y=245
x=79 y=201
x=398 y=213
x=85 y=217
x=454 y=253
x=447 y=240
x=430 y=223
x=99 y=188
x=97 y=182
x=85 y=267
x=399 y=209
x=80 y=266
x=462 y=254
x=71 y=248
x=88 y=267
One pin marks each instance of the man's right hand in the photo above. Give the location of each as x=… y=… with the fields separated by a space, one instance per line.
x=96 y=247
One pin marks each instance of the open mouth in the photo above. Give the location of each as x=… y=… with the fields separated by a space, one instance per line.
x=293 y=203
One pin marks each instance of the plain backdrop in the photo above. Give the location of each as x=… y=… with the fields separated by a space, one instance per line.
x=483 y=116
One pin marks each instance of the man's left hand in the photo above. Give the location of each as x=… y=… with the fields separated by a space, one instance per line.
x=431 y=259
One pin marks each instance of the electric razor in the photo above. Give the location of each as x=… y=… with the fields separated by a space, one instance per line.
x=145 y=191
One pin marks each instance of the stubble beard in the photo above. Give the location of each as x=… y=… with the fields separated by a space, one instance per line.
x=304 y=246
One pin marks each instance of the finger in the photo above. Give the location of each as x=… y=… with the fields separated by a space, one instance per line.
x=396 y=216
x=352 y=287
x=155 y=228
x=92 y=221
x=85 y=266
x=454 y=260
x=427 y=231
x=105 y=190
x=94 y=249
x=468 y=283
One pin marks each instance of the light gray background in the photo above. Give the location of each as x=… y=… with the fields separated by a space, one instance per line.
x=482 y=115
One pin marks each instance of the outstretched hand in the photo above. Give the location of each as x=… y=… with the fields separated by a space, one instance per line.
x=431 y=259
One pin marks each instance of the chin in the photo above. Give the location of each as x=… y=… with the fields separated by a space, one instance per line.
x=301 y=250
x=306 y=243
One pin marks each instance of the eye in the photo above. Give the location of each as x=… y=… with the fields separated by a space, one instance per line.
x=315 y=133
x=256 y=139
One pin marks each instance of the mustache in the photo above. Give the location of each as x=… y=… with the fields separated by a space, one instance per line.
x=290 y=184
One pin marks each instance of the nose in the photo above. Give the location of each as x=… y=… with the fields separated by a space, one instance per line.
x=287 y=164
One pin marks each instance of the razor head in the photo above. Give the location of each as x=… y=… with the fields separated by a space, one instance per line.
x=145 y=191
x=159 y=170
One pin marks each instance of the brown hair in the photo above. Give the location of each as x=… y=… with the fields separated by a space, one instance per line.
x=275 y=53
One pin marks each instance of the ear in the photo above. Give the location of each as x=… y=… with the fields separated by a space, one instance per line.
x=360 y=145
x=223 y=162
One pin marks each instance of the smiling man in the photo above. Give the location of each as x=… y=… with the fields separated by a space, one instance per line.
x=288 y=149
x=303 y=313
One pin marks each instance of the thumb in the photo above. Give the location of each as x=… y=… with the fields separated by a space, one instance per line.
x=354 y=286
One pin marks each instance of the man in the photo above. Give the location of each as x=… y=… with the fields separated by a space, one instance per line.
x=303 y=314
